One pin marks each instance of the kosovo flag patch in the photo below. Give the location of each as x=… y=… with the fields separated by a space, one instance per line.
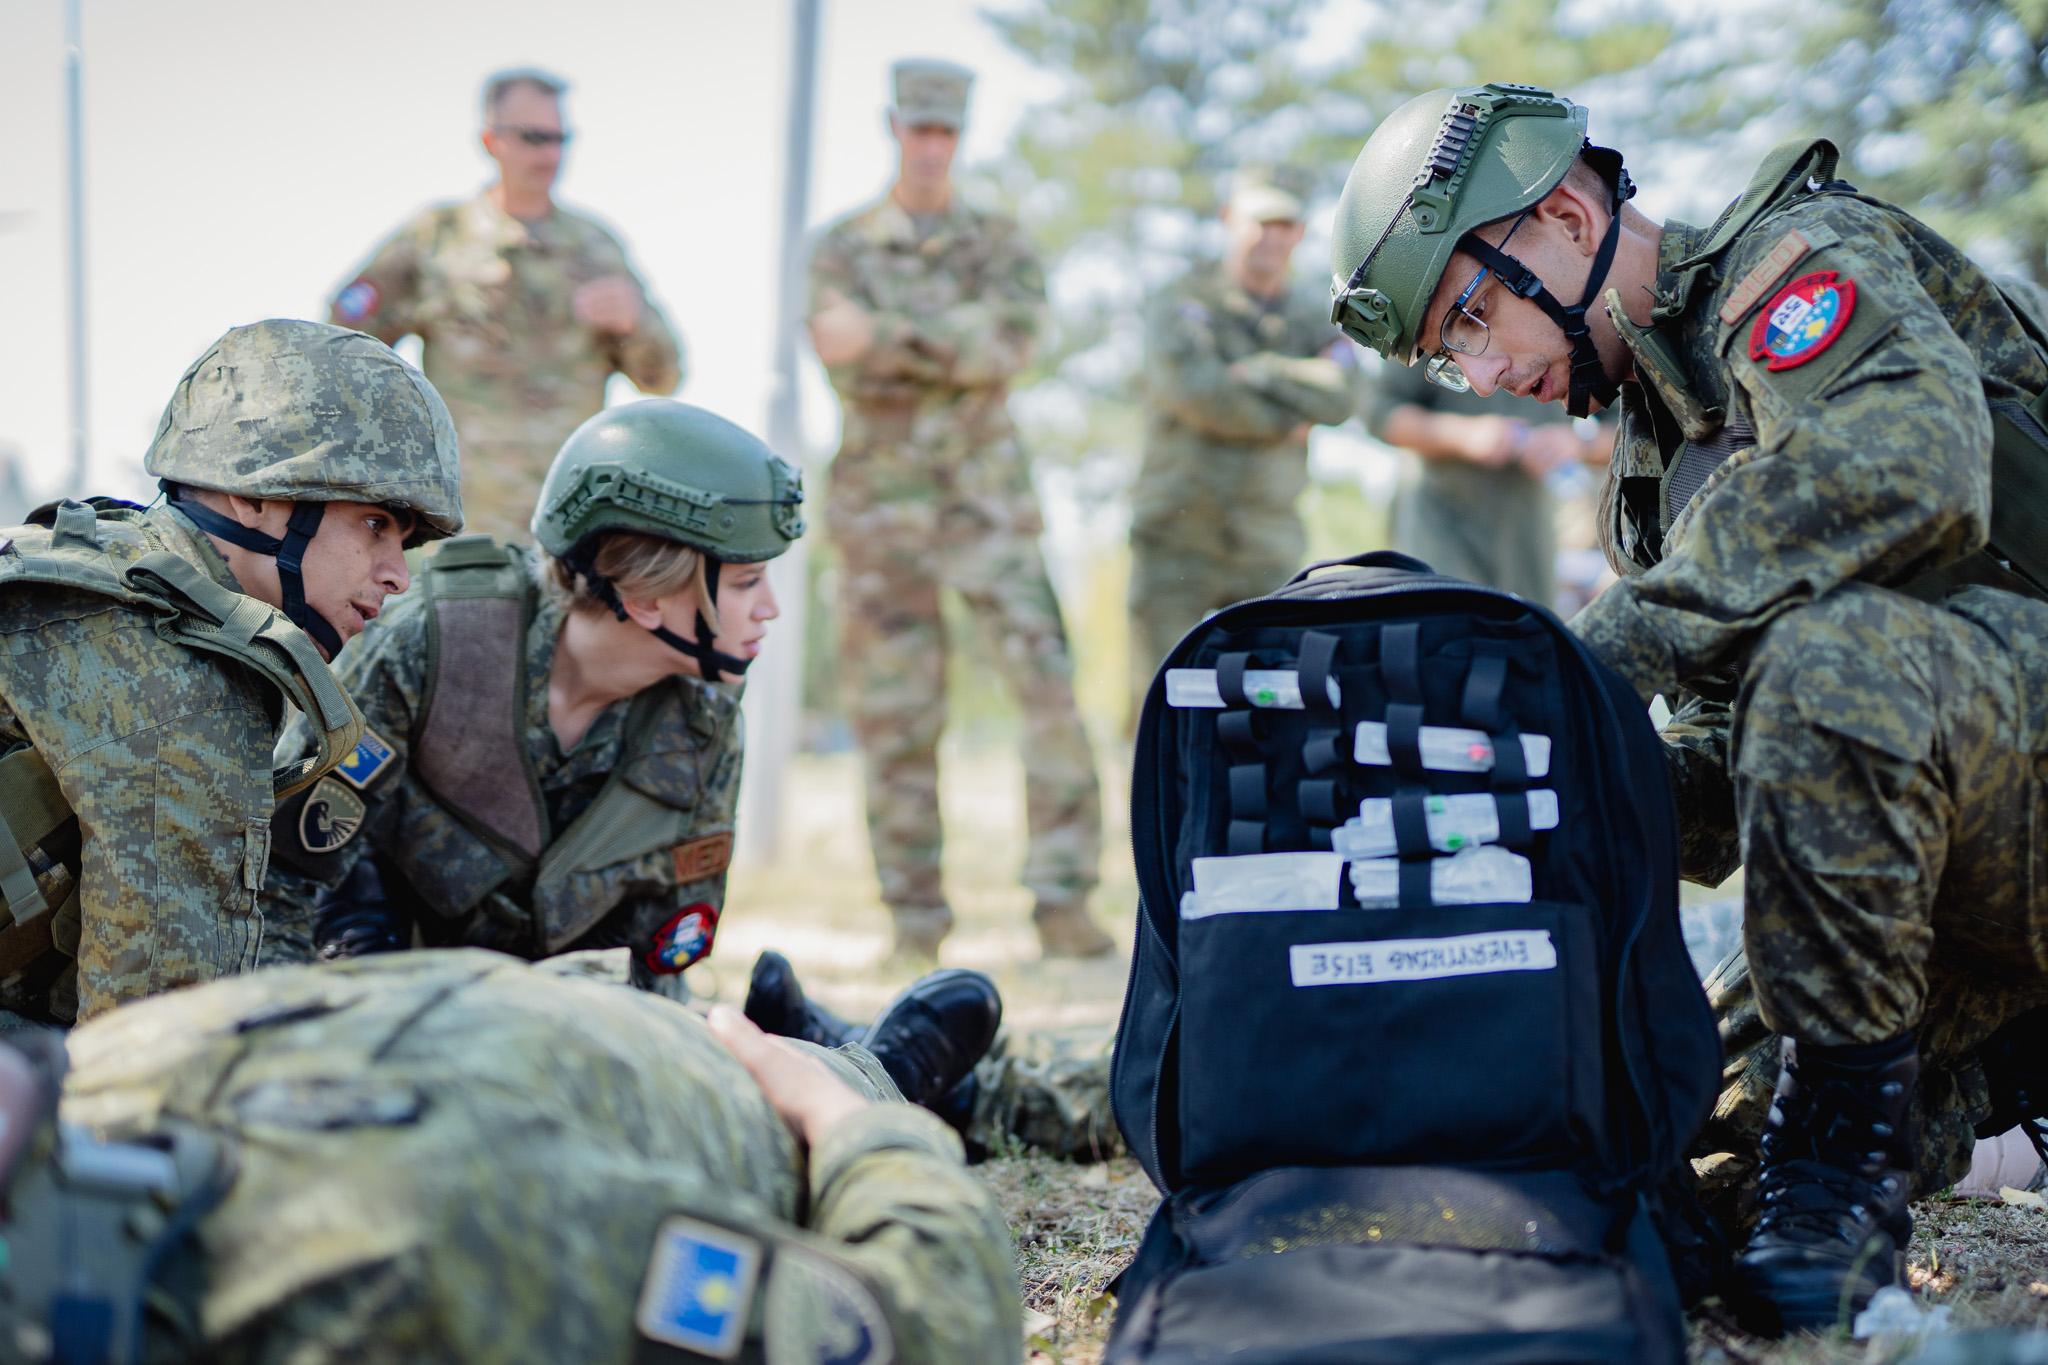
x=699 y=1285
x=367 y=761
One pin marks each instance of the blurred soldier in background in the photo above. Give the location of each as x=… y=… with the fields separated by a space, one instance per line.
x=922 y=309
x=1479 y=508
x=322 y=1164
x=524 y=307
x=1239 y=363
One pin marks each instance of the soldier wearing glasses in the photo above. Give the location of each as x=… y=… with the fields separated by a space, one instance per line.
x=525 y=308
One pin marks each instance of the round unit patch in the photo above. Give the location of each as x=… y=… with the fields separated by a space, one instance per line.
x=1802 y=320
x=331 y=816
x=683 y=941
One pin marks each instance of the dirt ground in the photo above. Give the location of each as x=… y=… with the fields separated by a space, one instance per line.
x=1075 y=1226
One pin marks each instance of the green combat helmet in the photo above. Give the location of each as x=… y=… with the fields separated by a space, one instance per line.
x=667 y=469
x=309 y=414
x=1438 y=167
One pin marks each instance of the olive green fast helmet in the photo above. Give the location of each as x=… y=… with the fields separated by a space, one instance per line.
x=663 y=468
x=1441 y=165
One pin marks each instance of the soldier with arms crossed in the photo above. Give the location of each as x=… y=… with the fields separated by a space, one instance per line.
x=146 y=657
x=1810 y=391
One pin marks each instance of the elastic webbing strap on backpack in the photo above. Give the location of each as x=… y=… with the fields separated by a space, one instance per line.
x=1401 y=670
x=1322 y=799
x=1238 y=728
x=1482 y=711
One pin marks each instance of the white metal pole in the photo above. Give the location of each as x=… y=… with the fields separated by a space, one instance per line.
x=74 y=128
x=774 y=703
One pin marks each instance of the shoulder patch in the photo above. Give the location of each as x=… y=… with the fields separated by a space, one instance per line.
x=357 y=301
x=367 y=761
x=1193 y=313
x=705 y=857
x=330 y=818
x=819 y=1313
x=684 y=941
x=1781 y=258
x=1802 y=320
x=699 y=1286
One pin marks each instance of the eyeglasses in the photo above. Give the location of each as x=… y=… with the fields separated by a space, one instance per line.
x=532 y=137
x=1463 y=332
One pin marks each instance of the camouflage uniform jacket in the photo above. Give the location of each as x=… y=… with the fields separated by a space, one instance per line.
x=489 y=295
x=1230 y=379
x=164 y=755
x=956 y=311
x=1868 y=458
x=407 y=1194
x=469 y=891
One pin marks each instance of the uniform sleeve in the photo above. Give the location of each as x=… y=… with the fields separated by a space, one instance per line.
x=1696 y=754
x=381 y=297
x=895 y=356
x=1872 y=462
x=987 y=339
x=650 y=355
x=1187 y=379
x=888 y=1184
x=1315 y=388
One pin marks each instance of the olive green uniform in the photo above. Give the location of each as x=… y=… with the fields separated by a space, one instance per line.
x=490 y=296
x=1231 y=380
x=1492 y=526
x=1874 y=761
x=455 y=1156
x=678 y=741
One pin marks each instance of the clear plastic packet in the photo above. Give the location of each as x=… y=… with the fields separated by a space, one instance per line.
x=1447 y=749
x=1484 y=874
x=1455 y=822
x=1275 y=689
x=1263 y=881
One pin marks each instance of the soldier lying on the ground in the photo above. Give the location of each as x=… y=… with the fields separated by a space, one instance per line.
x=457 y=1156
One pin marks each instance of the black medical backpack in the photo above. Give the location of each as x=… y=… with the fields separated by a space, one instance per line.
x=1421 y=1131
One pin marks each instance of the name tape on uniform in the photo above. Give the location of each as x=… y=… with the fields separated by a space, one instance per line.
x=1274 y=689
x=1421 y=959
x=1448 y=749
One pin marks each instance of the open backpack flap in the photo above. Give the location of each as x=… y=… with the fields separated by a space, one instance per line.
x=1409 y=1005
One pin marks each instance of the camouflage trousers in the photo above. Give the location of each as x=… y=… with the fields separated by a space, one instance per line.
x=500 y=485
x=1888 y=760
x=895 y=551
x=1048 y=1092
x=1175 y=585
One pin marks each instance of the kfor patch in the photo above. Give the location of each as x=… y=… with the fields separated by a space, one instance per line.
x=699 y=1285
x=1802 y=320
x=367 y=761
x=330 y=818
x=705 y=857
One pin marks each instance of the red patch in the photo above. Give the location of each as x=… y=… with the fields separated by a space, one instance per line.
x=682 y=942
x=1802 y=320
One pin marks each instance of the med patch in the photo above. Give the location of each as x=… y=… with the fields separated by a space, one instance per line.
x=699 y=1286
x=701 y=858
x=330 y=818
x=1802 y=320
x=367 y=761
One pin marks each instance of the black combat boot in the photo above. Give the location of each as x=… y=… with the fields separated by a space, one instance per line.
x=2015 y=1061
x=1832 y=1219
x=358 y=917
x=776 y=1004
x=930 y=1037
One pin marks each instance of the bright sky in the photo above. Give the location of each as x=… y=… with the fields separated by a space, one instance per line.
x=243 y=156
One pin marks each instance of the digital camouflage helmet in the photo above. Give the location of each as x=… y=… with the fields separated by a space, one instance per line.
x=308 y=414
x=667 y=469
x=1438 y=167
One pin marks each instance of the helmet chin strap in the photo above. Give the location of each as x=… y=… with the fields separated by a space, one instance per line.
x=290 y=552
x=1589 y=376
x=712 y=663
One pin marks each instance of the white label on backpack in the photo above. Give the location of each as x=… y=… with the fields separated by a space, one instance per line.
x=1484 y=874
x=1454 y=822
x=1421 y=959
x=1274 y=689
x=1263 y=881
x=1446 y=749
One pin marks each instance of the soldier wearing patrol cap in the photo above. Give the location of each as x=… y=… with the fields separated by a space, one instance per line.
x=1239 y=362
x=1826 y=410
x=431 y=1157
x=922 y=310
x=146 y=656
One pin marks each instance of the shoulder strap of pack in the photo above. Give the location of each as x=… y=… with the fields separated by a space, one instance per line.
x=469 y=748
x=1786 y=172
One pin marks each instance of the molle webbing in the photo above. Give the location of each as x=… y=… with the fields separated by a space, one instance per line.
x=470 y=748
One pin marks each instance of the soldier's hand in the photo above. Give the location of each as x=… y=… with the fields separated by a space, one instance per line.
x=842 y=330
x=1547 y=447
x=1490 y=441
x=611 y=304
x=800 y=1087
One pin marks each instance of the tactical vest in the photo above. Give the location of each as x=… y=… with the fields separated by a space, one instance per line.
x=469 y=749
x=39 y=842
x=2016 y=557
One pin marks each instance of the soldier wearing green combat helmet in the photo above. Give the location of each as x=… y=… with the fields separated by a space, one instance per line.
x=549 y=762
x=1825 y=504
x=145 y=656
